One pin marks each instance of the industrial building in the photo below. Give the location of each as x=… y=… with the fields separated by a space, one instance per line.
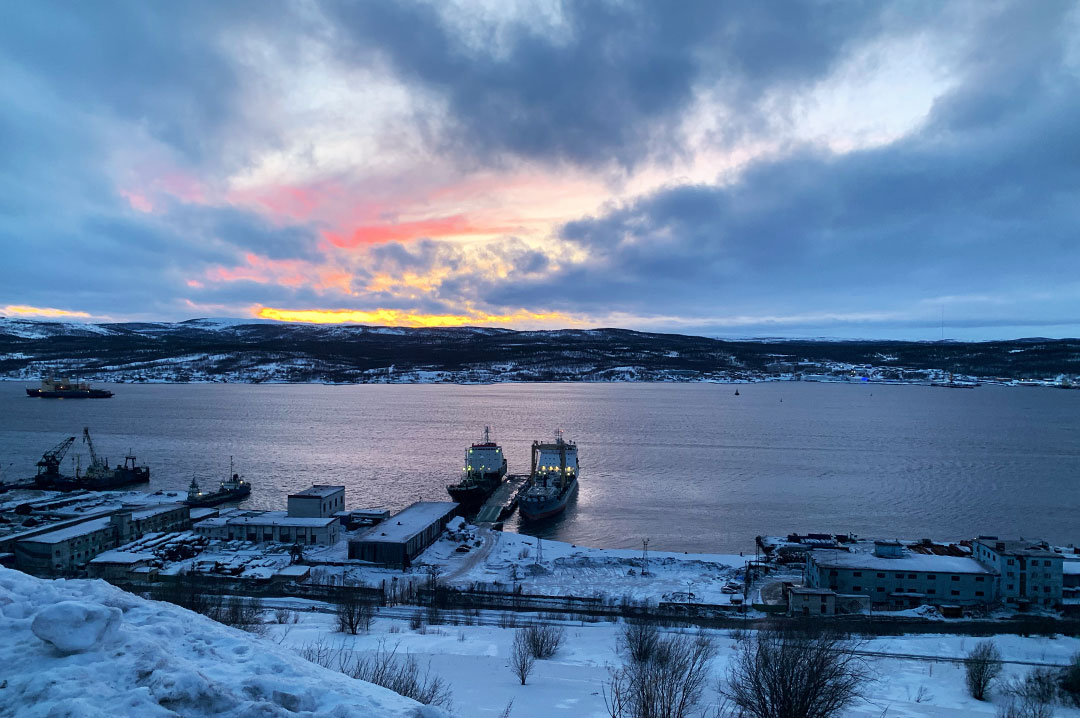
x=895 y=577
x=271 y=527
x=311 y=520
x=69 y=549
x=1028 y=573
x=317 y=502
x=398 y=540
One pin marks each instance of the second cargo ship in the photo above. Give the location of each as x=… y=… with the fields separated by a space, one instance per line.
x=552 y=481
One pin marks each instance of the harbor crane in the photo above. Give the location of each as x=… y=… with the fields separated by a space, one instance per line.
x=95 y=462
x=49 y=465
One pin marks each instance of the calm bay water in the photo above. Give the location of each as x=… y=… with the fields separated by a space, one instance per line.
x=691 y=466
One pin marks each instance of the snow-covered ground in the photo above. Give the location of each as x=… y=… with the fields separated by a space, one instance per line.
x=85 y=648
x=474 y=660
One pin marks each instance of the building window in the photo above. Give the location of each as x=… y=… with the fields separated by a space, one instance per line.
x=955 y=593
x=857 y=574
x=955 y=578
x=1009 y=562
x=881 y=589
x=931 y=591
x=1046 y=589
x=978 y=593
x=980 y=579
x=1010 y=587
x=911 y=575
x=856 y=588
x=899 y=575
x=881 y=575
x=931 y=576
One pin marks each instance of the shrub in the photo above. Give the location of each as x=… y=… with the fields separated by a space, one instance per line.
x=982 y=666
x=790 y=673
x=354 y=615
x=544 y=641
x=667 y=684
x=1069 y=682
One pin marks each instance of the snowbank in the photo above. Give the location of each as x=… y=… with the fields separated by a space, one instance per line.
x=85 y=648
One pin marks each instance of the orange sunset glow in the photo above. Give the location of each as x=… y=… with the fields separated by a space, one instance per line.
x=27 y=311
x=402 y=318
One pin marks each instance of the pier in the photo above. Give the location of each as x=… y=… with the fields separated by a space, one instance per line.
x=503 y=501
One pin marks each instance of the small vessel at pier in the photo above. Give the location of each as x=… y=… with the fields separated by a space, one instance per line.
x=232 y=489
x=64 y=388
x=485 y=468
x=552 y=481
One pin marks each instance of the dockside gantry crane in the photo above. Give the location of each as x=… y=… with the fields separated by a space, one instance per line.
x=49 y=465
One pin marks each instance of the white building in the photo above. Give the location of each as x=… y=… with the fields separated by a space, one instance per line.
x=895 y=577
x=271 y=527
x=317 y=502
x=1028 y=573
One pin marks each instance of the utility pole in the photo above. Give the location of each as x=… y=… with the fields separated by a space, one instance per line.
x=645 y=556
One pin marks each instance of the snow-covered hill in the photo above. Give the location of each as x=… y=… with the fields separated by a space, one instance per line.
x=85 y=648
x=238 y=350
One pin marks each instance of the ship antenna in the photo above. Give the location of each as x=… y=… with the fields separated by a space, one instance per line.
x=487 y=433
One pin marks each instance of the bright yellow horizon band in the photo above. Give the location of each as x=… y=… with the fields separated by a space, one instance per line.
x=400 y=318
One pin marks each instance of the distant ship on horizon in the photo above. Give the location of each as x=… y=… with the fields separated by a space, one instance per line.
x=64 y=388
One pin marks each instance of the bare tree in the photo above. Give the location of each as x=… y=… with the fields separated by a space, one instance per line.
x=521 y=656
x=637 y=640
x=353 y=614
x=668 y=683
x=543 y=641
x=790 y=673
x=982 y=665
x=1069 y=681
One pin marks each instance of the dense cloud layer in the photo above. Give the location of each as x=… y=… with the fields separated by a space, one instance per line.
x=716 y=167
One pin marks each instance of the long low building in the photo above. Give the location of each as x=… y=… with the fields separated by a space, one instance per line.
x=401 y=538
x=894 y=577
x=271 y=527
x=71 y=548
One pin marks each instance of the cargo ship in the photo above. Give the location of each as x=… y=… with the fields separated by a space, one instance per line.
x=98 y=476
x=64 y=388
x=485 y=469
x=232 y=489
x=552 y=480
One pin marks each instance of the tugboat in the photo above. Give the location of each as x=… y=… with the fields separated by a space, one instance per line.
x=485 y=468
x=232 y=489
x=552 y=481
x=98 y=475
x=63 y=388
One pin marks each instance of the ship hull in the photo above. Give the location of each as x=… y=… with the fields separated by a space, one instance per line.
x=531 y=510
x=472 y=496
x=70 y=394
x=220 y=497
x=118 y=478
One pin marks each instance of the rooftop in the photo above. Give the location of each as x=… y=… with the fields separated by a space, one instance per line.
x=409 y=522
x=88 y=527
x=907 y=562
x=318 y=491
x=123 y=557
x=1020 y=547
x=271 y=518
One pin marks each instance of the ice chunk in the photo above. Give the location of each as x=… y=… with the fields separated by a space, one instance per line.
x=76 y=627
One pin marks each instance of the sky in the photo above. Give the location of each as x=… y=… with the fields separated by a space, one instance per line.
x=858 y=169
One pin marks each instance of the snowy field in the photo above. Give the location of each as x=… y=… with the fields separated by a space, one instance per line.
x=85 y=648
x=474 y=660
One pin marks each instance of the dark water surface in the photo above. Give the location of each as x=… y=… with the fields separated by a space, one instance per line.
x=692 y=466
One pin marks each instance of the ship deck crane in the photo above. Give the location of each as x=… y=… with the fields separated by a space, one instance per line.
x=50 y=460
x=94 y=460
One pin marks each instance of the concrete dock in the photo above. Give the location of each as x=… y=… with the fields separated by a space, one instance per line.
x=503 y=501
